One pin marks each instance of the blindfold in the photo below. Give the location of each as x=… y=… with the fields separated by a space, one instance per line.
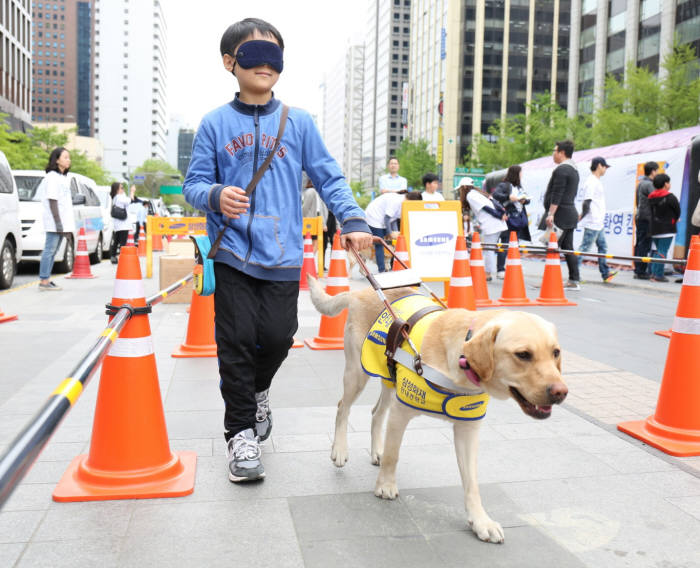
x=255 y=53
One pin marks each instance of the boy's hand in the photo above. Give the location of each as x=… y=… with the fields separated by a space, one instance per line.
x=233 y=201
x=358 y=239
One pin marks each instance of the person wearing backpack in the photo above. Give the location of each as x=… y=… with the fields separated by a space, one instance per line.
x=120 y=218
x=665 y=211
x=510 y=194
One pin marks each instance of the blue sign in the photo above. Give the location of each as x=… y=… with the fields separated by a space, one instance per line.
x=443 y=43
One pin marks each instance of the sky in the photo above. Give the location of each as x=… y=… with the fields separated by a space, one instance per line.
x=316 y=34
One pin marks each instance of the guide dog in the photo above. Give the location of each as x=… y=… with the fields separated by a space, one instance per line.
x=505 y=354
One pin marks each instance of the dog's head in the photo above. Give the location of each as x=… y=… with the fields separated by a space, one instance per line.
x=516 y=354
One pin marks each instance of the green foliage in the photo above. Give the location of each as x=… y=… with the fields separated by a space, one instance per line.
x=157 y=173
x=362 y=196
x=415 y=160
x=680 y=97
x=31 y=151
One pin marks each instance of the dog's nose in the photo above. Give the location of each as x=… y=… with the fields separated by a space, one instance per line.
x=557 y=392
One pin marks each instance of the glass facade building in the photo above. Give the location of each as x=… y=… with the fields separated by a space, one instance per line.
x=16 y=62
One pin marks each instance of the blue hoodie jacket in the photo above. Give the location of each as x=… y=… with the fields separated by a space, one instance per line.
x=230 y=145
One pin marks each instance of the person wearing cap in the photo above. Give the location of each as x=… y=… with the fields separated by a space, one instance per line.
x=592 y=218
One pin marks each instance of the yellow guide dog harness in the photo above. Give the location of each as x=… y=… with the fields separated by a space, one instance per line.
x=413 y=389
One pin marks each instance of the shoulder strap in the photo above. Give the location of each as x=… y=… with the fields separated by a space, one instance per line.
x=250 y=188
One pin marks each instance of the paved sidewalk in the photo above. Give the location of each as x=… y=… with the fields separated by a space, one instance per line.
x=570 y=491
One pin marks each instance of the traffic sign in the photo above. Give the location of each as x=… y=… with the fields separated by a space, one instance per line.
x=170 y=189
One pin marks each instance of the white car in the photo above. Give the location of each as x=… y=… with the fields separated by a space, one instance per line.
x=10 y=229
x=103 y=194
x=86 y=209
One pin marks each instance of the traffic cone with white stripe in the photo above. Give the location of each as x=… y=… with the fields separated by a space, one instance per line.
x=142 y=243
x=332 y=329
x=400 y=253
x=476 y=266
x=461 y=291
x=200 y=340
x=309 y=264
x=6 y=317
x=81 y=268
x=675 y=426
x=513 y=293
x=130 y=238
x=129 y=456
x=552 y=289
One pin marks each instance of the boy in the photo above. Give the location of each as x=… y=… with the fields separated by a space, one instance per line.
x=430 y=185
x=665 y=212
x=258 y=263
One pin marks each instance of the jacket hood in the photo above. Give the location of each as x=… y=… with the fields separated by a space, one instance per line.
x=658 y=193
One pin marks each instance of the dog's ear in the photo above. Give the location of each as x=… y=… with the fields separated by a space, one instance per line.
x=479 y=351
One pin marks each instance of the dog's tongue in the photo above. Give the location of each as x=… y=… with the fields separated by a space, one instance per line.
x=543 y=408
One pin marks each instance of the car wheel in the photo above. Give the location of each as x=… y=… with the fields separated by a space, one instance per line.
x=8 y=264
x=96 y=257
x=66 y=265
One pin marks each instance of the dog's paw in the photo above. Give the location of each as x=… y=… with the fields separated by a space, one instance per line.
x=339 y=457
x=376 y=458
x=487 y=530
x=386 y=490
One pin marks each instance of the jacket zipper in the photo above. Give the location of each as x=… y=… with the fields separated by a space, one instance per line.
x=251 y=211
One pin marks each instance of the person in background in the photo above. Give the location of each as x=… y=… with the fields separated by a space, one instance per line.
x=313 y=206
x=121 y=226
x=592 y=217
x=510 y=194
x=559 y=207
x=58 y=219
x=383 y=214
x=665 y=211
x=642 y=219
x=491 y=217
x=141 y=216
x=392 y=182
x=430 y=186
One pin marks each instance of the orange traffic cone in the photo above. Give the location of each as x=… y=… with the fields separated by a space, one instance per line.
x=461 y=291
x=297 y=344
x=332 y=329
x=675 y=426
x=130 y=239
x=142 y=243
x=129 y=456
x=200 y=341
x=552 y=289
x=6 y=317
x=309 y=264
x=513 y=293
x=476 y=266
x=81 y=268
x=400 y=252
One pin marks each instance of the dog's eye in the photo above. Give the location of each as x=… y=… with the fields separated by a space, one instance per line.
x=524 y=355
x=557 y=353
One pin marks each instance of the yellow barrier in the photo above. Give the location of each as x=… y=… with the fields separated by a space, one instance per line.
x=184 y=226
x=173 y=226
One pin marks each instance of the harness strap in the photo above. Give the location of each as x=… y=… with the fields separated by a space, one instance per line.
x=431 y=374
x=250 y=188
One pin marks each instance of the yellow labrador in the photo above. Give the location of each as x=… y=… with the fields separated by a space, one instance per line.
x=509 y=354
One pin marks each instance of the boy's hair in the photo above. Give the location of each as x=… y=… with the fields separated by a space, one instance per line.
x=52 y=166
x=430 y=177
x=236 y=33
x=566 y=146
x=650 y=167
x=660 y=180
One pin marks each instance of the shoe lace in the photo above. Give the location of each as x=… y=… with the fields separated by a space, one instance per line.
x=244 y=448
x=263 y=400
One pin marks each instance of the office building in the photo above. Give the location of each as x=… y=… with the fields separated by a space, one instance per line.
x=130 y=105
x=385 y=108
x=185 y=138
x=16 y=63
x=342 y=111
x=62 y=63
x=607 y=34
x=500 y=55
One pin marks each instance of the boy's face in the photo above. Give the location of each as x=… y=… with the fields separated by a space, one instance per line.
x=256 y=80
x=431 y=186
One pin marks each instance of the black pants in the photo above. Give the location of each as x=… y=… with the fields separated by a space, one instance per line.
x=255 y=322
x=118 y=241
x=566 y=242
x=643 y=246
x=137 y=232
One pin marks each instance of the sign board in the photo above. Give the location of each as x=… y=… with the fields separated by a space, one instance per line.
x=431 y=229
x=477 y=174
x=170 y=189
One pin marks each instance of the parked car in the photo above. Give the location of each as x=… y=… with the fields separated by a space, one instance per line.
x=176 y=210
x=10 y=228
x=86 y=209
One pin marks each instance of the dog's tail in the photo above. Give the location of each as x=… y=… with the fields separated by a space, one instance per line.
x=326 y=304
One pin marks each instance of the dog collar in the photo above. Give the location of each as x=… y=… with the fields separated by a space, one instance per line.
x=464 y=364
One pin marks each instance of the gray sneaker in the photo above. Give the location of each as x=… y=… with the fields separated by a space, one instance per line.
x=243 y=453
x=50 y=287
x=263 y=415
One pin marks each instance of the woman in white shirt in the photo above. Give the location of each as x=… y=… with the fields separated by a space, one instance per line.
x=58 y=217
x=121 y=226
x=492 y=219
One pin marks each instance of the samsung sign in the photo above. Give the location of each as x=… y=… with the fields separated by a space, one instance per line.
x=434 y=239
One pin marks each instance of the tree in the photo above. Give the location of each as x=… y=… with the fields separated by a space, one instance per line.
x=680 y=96
x=156 y=173
x=416 y=161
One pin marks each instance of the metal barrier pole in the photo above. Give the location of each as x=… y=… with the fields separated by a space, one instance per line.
x=160 y=296
x=27 y=446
